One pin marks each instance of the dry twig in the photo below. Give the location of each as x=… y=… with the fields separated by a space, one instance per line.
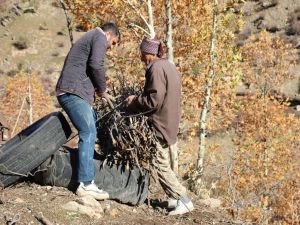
x=125 y=138
x=43 y=220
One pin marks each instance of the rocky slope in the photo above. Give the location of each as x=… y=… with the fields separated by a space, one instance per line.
x=33 y=36
x=280 y=18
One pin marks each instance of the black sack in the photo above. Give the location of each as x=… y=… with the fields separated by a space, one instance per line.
x=125 y=185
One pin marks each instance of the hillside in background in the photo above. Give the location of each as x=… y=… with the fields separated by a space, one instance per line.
x=279 y=18
x=34 y=35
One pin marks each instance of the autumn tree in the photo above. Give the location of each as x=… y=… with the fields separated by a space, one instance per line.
x=192 y=27
x=215 y=97
x=264 y=66
x=263 y=179
x=25 y=99
x=191 y=34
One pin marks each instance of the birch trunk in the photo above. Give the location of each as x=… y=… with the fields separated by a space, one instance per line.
x=151 y=21
x=169 y=40
x=170 y=57
x=203 y=113
x=265 y=203
x=29 y=99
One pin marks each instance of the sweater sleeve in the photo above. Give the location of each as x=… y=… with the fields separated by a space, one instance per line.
x=154 y=91
x=96 y=62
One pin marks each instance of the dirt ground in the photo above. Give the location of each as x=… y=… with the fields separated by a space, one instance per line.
x=28 y=201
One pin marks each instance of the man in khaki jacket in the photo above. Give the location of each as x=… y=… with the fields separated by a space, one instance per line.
x=161 y=100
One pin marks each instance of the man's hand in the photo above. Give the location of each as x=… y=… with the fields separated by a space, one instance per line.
x=107 y=97
x=129 y=100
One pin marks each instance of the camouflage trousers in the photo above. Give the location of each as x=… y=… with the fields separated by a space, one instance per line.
x=166 y=176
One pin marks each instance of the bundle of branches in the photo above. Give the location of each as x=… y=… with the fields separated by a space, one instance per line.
x=124 y=137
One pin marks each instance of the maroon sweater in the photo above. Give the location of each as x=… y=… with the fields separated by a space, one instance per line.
x=161 y=98
x=83 y=70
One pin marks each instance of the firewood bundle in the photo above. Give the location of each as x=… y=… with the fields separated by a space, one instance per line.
x=124 y=137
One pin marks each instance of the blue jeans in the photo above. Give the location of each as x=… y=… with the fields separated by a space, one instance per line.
x=83 y=118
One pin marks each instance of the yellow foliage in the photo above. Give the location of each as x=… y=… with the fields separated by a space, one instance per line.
x=16 y=95
x=191 y=35
x=265 y=172
x=266 y=158
x=267 y=61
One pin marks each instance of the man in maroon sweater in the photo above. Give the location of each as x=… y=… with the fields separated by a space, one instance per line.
x=161 y=100
x=82 y=76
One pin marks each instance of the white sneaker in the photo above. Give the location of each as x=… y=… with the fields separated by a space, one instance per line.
x=92 y=190
x=172 y=203
x=182 y=208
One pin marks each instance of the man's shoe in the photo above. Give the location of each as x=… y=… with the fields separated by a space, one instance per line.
x=172 y=203
x=92 y=190
x=182 y=207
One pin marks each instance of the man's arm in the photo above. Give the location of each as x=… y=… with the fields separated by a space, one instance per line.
x=96 y=62
x=154 y=91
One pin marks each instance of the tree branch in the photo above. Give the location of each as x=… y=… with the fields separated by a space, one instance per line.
x=69 y=21
x=138 y=13
x=139 y=27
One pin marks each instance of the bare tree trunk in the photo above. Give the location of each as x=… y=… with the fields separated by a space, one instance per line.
x=150 y=24
x=151 y=21
x=169 y=31
x=266 y=159
x=29 y=98
x=19 y=114
x=203 y=113
x=173 y=150
x=69 y=21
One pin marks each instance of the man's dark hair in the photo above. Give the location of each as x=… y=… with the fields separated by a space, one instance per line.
x=112 y=28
